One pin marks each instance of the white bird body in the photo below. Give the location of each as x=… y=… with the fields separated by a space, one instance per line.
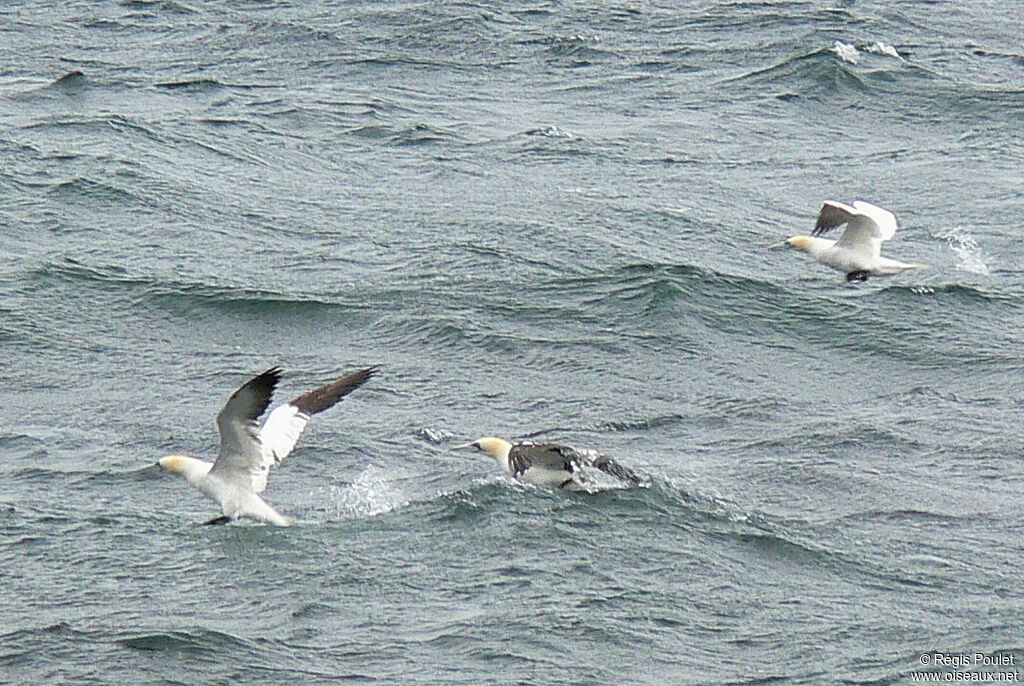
x=239 y=474
x=547 y=465
x=857 y=253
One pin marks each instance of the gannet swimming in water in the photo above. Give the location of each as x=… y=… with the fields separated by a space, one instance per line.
x=857 y=253
x=247 y=452
x=548 y=465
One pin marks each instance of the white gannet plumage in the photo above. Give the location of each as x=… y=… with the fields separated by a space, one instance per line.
x=858 y=252
x=549 y=465
x=247 y=451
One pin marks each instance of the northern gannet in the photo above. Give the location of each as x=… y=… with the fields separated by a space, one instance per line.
x=247 y=452
x=857 y=253
x=548 y=465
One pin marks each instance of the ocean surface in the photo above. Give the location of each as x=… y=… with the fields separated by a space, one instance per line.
x=542 y=220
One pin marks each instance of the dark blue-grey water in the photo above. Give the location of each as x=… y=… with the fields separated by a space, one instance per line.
x=547 y=219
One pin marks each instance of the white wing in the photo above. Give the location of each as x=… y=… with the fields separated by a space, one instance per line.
x=277 y=438
x=867 y=225
x=885 y=219
x=286 y=423
x=862 y=235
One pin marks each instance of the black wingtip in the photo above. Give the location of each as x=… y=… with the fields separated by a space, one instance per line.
x=328 y=396
x=266 y=382
x=272 y=373
x=616 y=469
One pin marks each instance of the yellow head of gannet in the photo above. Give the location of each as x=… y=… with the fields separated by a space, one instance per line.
x=189 y=467
x=497 y=448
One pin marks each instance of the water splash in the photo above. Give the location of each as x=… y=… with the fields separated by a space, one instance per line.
x=435 y=436
x=846 y=52
x=969 y=253
x=880 y=48
x=371 y=493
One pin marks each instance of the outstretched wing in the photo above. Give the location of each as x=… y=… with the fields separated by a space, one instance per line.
x=523 y=456
x=555 y=456
x=867 y=225
x=240 y=453
x=885 y=219
x=613 y=468
x=286 y=423
x=831 y=215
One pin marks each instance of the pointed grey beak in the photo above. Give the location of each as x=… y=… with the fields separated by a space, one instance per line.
x=151 y=469
x=779 y=246
x=464 y=446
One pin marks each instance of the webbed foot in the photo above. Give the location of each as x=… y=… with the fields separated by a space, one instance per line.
x=223 y=519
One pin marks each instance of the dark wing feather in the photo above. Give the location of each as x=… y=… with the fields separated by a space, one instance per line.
x=246 y=405
x=832 y=214
x=326 y=397
x=240 y=451
x=619 y=471
x=522 y=456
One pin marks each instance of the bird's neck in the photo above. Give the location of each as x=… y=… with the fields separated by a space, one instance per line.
x=815 y=245
x=193 y=469
x=500 y=451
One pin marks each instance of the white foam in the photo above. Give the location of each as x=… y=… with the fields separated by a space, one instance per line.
x=880 y=48
x=970 y=255
x=845 y=51
x=372 y=492
x=550 y=132
x=435 y=436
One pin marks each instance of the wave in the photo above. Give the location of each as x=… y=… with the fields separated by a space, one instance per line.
x=182 y=294
x=643 y=423
x=878 y=68
x=21 y=644
x=84 y=188
x=164 y=6
x=574 y=50
x=22 y=446
x=554 y=144
x=186 y=641
x=665 y=506
x=760 y=306
x=820 y=73
x=71 y=81
x=208 y=84
x=959 y=293
x=97 y=123
x=825 y=72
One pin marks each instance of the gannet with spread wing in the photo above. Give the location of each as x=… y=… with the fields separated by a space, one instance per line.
x=858 y=252
x=549 y=465
x=247 y=451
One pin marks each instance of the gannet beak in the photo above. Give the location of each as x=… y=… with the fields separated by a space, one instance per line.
x=779 y=246
x=148 y=468
x=465 y=446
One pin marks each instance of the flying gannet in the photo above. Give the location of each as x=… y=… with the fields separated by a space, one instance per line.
x=857 y=253
x=247 y=452
x=548 y=465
